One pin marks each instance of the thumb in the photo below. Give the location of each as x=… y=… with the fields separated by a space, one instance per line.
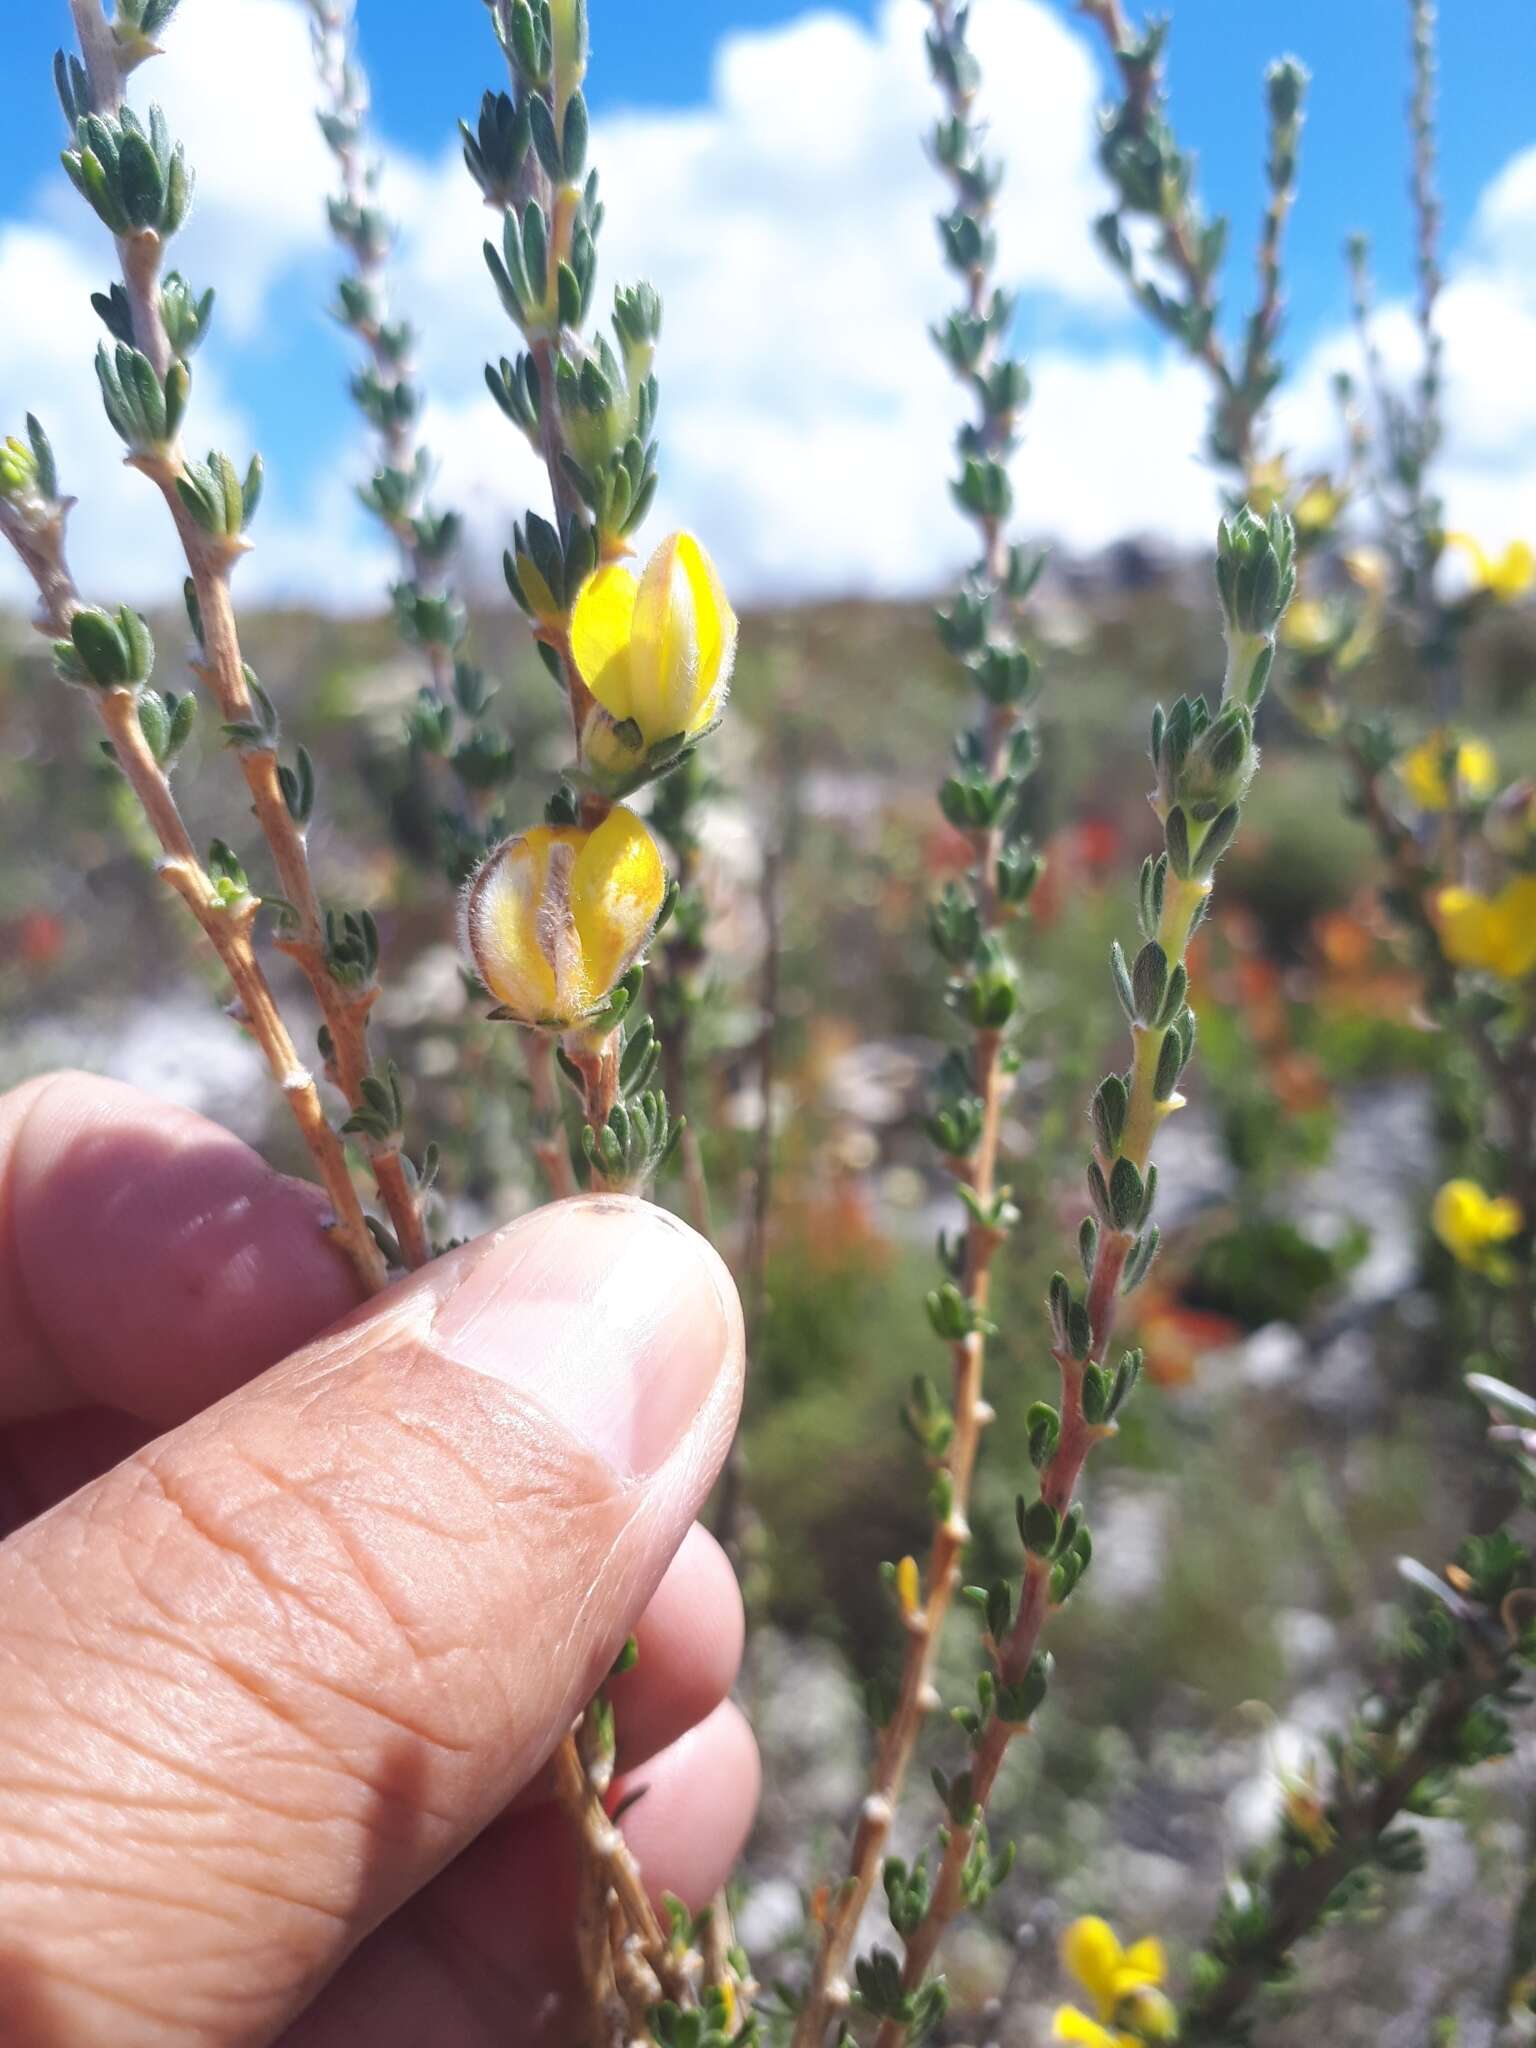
x=260 y=1682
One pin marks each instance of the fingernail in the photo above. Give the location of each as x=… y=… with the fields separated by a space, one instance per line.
x=609 y=1313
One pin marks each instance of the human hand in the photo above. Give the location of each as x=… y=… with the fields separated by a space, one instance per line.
x=277 y=1686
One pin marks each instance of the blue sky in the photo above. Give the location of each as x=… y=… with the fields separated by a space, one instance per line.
x=657 y=70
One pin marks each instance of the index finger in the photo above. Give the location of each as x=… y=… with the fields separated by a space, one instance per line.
x=149 y=1261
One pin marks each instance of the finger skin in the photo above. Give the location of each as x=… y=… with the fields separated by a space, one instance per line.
x=261 y=1682
x=149 y=1261
x=484 y=1956
x=689 y=1643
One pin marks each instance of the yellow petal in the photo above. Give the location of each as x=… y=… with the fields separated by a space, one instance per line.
x=1309 y=627
x=1470 y=1223
x=1144 y=1962
x=716 y=631
x=1477 y=769
x=1514 y=572
x=1482 y=568
x=1471 y=763
x=506 y=924
x=1494 y=934
x=1317 y=508
x=1071 y=2025
x=1464 y=926
x=667 y=652
x=602 y=626
x=617 y=887
x=1091 y=1950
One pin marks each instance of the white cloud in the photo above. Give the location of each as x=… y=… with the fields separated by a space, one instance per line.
x=806 y=419
x=119 y=543
x=237 y=78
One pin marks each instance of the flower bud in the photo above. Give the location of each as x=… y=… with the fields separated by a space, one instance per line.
x=29 y=477
x=1255 y=571
x=18 y=469
x=557 y=916
x=656 y=653
x=1219 y=766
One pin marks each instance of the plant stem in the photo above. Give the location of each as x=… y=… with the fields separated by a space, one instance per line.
x=581 y=1790
x=1059 y=1480
x=1298 y=1892
x=209 y=560
x=99 y=50
x=828 y=1993
x=549 y=1146
x=345 y=1011
x=228 y=930
x=1509 y=1070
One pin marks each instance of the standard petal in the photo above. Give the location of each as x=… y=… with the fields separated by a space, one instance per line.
x=1144 y=1962
x=503 y=926
x=1466 y=927
x=716 y=632
x=666 y=645
x=1071 y=2025
x=617 y=886
x=602 y=625
x=1091 y=1950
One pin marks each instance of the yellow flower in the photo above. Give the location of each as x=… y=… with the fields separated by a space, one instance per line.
x=1368 y=567
x=555 y=917
x=1123 y=1985
x=1317 y=507
x=1473 y=1225
x=1493 y=934
x=1268 y=483
x=1506 y=578
x=656 y=652
x=1310 y=627
x=1440 y=761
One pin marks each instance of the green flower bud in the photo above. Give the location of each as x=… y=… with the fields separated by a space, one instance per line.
x=1255 y=571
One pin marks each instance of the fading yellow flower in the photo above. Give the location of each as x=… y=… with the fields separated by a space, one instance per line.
x=555 y=917
x=1368 y=567
x=656 y=652
x=1505 y=577
x=1442 y=771
x=1492 y=934
x=1473 y=1225
x=1267 y=485
x=1318 y=506
x=1310 y=627
x=1123 y=1984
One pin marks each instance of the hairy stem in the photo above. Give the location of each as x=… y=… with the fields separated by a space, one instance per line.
x=209 y=561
